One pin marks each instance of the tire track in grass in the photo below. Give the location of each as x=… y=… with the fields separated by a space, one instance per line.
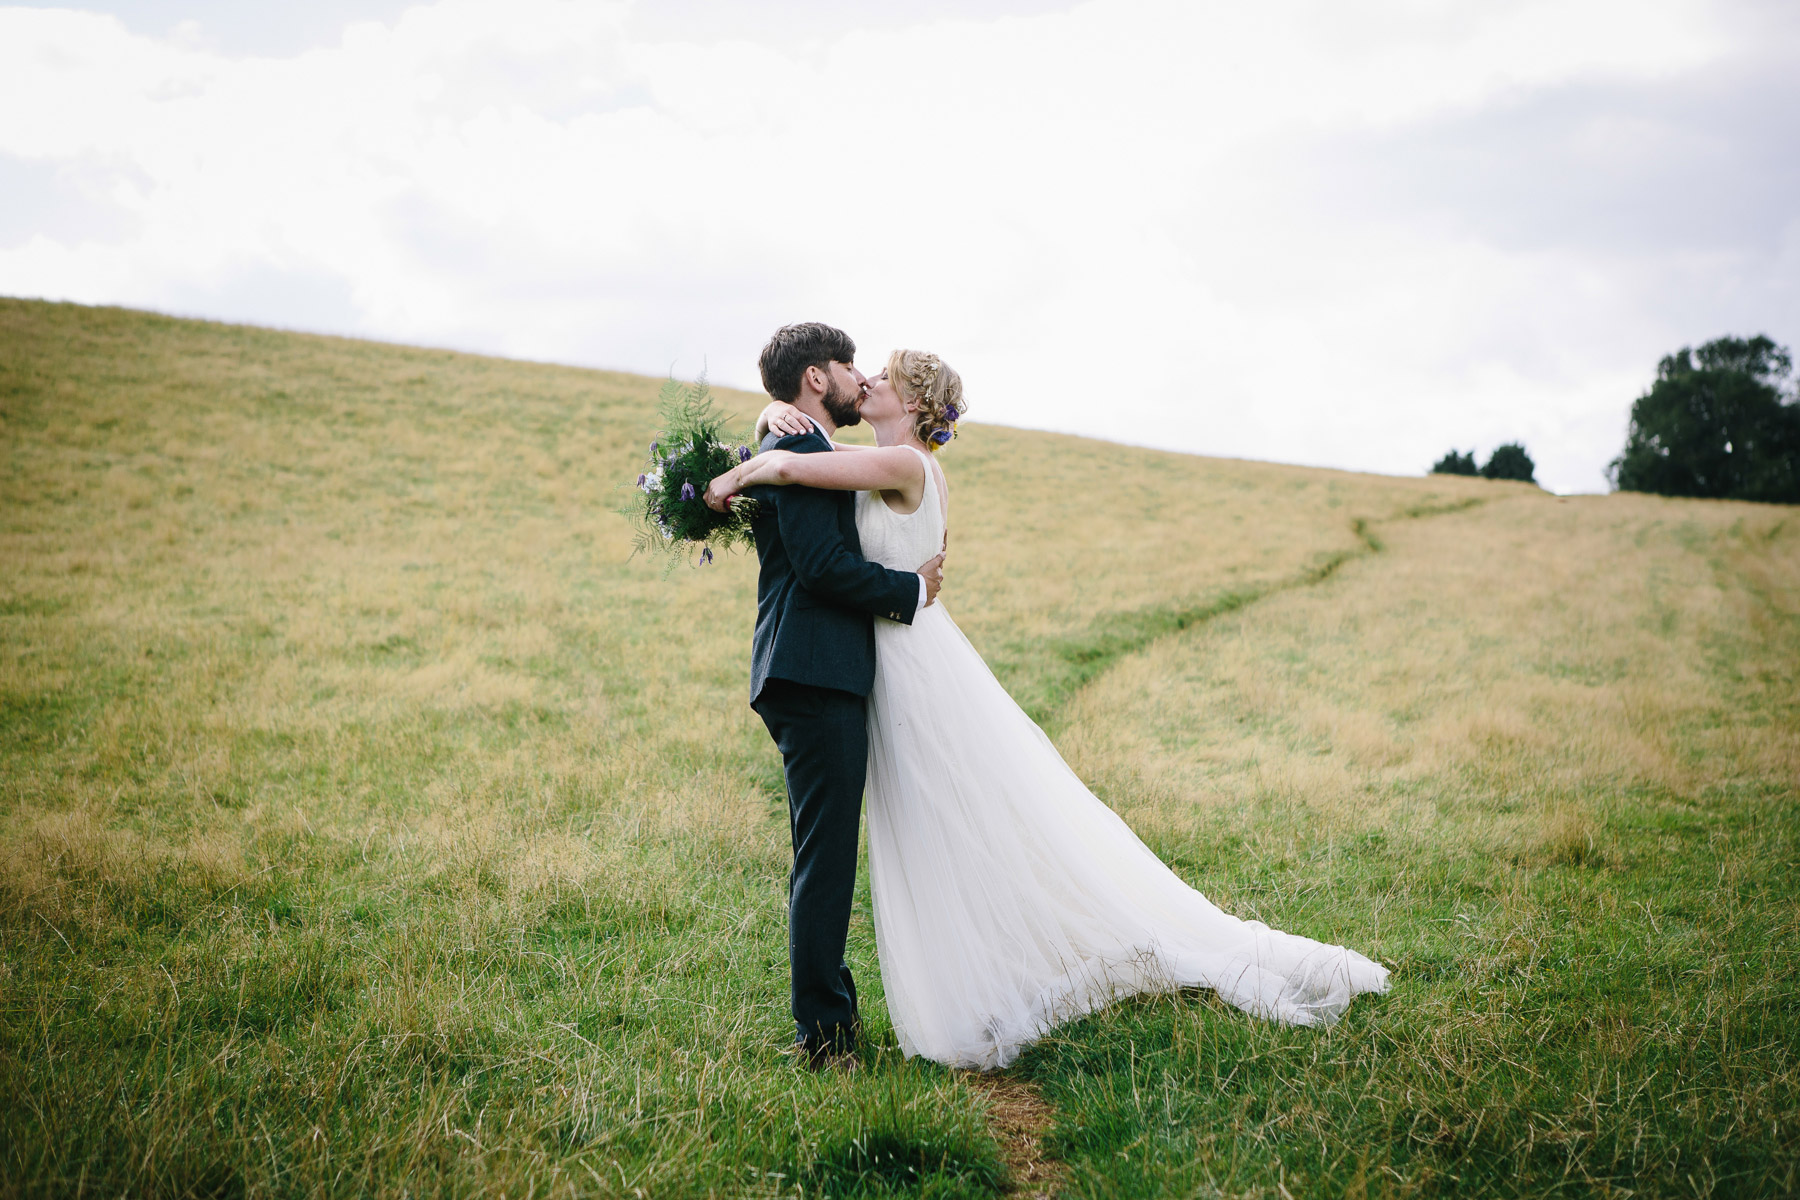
x=1063 y=666
x=1018 y=1115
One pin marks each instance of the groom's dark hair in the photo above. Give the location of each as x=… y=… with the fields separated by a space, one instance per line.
x=796 y=347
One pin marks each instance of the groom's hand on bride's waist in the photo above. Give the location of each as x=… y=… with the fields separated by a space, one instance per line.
x=933 y=575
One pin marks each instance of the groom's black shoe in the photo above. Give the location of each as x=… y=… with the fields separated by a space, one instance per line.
x=826 y=1056
x=823 y=1048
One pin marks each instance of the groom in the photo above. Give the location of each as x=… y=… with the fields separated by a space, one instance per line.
x=812 y=665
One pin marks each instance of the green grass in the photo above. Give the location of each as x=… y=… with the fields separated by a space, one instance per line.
x=370 y=825
x=1556 y=1031
x=1546 y=767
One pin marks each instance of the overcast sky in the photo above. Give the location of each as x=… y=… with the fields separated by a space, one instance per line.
x=1350 y=233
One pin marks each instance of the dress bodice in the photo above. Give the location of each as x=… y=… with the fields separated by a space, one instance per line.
x=902 y=541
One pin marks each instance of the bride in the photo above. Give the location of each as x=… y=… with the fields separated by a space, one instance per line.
x=1008 y=898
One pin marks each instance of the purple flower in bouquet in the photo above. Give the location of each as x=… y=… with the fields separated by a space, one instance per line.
x=653 y=449
x=705 y=556
x=687 y=491
x=743 y=454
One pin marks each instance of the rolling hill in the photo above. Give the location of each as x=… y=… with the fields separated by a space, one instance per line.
x=371 y=823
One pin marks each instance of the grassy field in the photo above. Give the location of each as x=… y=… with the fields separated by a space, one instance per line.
x=369 y=825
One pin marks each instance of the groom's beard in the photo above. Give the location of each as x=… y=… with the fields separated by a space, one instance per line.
x=840 y=406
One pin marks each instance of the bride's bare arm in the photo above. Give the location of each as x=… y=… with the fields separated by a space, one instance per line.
x=878 y=468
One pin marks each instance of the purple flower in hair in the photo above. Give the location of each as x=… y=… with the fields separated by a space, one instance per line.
x=687 y=491
x=942 y=436
x=743 y=454
x=950 y=411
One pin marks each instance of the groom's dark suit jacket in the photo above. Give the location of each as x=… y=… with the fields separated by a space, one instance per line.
x=815 y=594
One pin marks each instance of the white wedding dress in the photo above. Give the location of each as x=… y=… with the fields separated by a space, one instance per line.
x=1008 y=898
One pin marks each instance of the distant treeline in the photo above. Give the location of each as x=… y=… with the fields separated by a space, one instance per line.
x=1506 y=462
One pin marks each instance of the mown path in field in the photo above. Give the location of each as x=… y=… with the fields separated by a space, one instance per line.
x=1020 y=1119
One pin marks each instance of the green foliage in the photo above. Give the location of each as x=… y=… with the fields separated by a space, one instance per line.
x=1509 y=461
x=692 y=450
x=1455 y=464
x=1716 y=424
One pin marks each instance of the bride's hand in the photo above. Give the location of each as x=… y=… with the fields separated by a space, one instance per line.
x=782 y=418
x=721 y=490
x=765 y=468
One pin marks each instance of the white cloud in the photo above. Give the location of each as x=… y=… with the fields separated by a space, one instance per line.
x=1350 y=234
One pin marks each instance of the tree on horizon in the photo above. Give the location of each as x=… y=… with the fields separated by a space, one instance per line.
x=1716 y=424
x=1509 y=461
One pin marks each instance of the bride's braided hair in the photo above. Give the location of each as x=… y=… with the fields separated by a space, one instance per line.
x=937 y=389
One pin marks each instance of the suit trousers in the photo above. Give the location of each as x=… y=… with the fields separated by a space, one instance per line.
x=823 y=737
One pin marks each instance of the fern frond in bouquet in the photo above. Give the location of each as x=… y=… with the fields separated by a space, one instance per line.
x=693 y=449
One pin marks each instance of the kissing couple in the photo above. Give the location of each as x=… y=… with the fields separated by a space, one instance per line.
x=1008 y=898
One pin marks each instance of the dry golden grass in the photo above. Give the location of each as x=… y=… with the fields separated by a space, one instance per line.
x=1542 y=756
x=1510 y=663
x=272 y=540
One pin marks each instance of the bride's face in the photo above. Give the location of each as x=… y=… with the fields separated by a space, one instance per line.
x=883 y=401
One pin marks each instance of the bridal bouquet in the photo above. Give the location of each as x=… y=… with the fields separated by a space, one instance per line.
x=671 y=516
